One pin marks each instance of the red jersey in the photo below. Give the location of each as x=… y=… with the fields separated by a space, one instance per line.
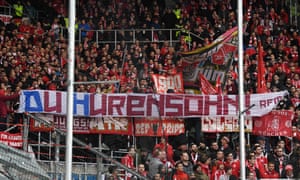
x=235 y=165
x=128 y=161
x=180 y=175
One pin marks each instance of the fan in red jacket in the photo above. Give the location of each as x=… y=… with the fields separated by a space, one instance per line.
x=269 y=171
x=128 y=160
x=233 y=163
x=165 y=146
x=180 y=174
x=4 y=110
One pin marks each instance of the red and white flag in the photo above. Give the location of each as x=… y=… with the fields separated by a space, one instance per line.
x=205 y=86
x=275 y=123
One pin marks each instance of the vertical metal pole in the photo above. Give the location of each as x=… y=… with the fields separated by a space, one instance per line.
x=241 y=89
x=99 y=160
x=39 y=146
x=50 y=146
x=71 y=57
x=57 y=149
x=25 y=132
x=97 y=37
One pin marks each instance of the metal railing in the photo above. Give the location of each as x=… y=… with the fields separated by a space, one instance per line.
x=82 y=170
x=101 y=156
x=130 y=36
x=6 y=10
x=18 y=164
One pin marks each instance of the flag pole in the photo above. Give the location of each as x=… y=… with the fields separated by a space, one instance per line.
x=241 y=90
x=71 y=57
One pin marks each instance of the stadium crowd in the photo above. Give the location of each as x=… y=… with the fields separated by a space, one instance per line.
x=33 y=55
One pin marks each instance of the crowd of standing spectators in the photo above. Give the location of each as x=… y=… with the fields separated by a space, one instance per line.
x=33 y=55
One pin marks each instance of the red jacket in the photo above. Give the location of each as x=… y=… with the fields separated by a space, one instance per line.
x=269 y=174
x=235 y=165
x=168 y=149
x=265 y=173
x=180 y=175
x=3 y=106
x=128 y=161
x=205 y=169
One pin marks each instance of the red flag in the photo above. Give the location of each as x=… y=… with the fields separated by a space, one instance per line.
x=278 y=123
x=205 y=86
x=261 y=71
x=218 y=85
x=250 y=51
x=218 y=57
x=227 y=48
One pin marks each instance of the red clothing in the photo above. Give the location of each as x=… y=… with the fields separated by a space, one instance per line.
x=4 y=110
x=260 y=161
x=235 y=165
x=180 y=175
x=24 y=28
x=296 y=83
x=128 y=161
x=251 y=168
x=168 y=149
x=205 y=169
x=217 y=174
x=268 y=174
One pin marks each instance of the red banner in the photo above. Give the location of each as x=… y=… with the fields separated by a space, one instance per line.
x=218 y=57
x=165 y=127
x=163 y=83
x=276 y=123
x=206 y=87
x=224 y=124
x=85 y=125
x=13 y=140
x=5 y=18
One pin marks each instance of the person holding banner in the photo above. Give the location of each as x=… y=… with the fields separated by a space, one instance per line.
x=4 y=109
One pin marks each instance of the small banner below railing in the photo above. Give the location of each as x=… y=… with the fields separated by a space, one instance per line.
x=12 y=140
x=84 y=125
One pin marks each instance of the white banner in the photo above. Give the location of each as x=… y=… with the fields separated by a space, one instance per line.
x=146 y=105
x=224 y=124
x=163 y=83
